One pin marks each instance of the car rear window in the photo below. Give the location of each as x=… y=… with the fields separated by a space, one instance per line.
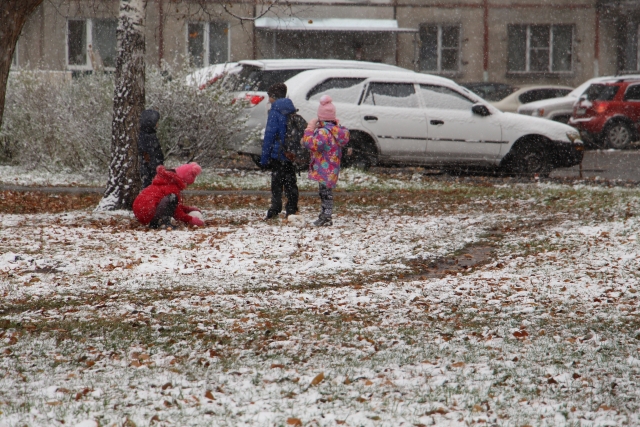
x=340 y=89
x=599 y=92
x=256 y=79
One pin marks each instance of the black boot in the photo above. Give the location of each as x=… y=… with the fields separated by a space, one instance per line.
x=323 y=221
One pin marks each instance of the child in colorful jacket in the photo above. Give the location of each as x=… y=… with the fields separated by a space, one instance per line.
x=324 y=137
x=161 y=201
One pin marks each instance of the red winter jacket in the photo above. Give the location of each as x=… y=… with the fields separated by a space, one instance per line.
x=166 y=182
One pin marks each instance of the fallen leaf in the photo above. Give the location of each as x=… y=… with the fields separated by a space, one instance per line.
x=477 y=408
x=277 y=365
x=166 y=386
x=520 y=334
x=458 y=364
x=552 y=381
x=209 y=395
x=318 y=379
x=294 y=421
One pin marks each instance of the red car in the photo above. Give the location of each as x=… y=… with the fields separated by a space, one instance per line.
x=608 y=113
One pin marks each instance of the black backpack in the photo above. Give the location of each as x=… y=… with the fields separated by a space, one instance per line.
x=296 y=153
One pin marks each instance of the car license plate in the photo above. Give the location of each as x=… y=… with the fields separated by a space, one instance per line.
x=581 y=110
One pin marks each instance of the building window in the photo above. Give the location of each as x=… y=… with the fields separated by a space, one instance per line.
x=629 y=34
x=540 y=48
x=440 y=48
x=91 y=44
x=207 y=43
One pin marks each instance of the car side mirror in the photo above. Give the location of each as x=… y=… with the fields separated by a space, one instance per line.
x=480 y=110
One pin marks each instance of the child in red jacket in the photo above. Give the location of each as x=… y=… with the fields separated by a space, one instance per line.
x=161 y=201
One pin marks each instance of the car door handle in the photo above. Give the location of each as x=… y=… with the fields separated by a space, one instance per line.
x=436 y=122
x=371 y=118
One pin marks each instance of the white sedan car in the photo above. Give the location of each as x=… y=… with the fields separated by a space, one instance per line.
x=411 y=118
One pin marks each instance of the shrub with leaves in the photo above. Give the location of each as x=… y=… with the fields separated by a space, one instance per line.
x=195 y=124
x=53 y=122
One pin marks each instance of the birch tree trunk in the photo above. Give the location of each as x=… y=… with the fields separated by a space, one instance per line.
x=128 y=103
x=13 y=15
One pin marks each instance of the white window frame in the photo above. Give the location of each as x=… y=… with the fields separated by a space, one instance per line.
x=528 y=49
x=89 y=42
x=638 y=50
x=439 y=69
x=206 y=24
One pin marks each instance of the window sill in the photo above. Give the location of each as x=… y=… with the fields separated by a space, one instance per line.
x=538 y=74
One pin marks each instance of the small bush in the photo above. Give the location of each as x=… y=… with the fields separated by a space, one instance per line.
x=66 y=123
x=56 y=122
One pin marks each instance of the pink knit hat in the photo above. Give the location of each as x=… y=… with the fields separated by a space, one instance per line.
x=326 y=110
x=188 y=172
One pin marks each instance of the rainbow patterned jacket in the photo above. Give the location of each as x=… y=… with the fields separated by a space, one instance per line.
x=325 y=144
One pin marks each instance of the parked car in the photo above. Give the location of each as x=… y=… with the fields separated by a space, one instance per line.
x=489 y=91
x=251 y=79
x=608 y=113
x=560 y=109
x=411 y=118
x=527 y=94
x=211 y=74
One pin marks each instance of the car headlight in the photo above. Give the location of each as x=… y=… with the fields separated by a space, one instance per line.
x=574 y=136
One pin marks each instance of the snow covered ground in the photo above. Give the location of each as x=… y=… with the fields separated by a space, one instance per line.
x=427 y=303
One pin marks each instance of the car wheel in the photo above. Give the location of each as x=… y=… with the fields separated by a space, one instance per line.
x=619 y=136
x=363 y=156
x=531 y=160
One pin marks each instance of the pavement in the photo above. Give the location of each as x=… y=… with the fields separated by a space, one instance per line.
x=606 y=165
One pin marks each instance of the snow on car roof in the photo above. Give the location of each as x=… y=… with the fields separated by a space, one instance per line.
x=287 y=64
x=390 y=75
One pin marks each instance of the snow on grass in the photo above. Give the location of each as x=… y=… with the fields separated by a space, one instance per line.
x=250 y=323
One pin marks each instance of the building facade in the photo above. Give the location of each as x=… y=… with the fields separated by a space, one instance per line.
x=512 y=41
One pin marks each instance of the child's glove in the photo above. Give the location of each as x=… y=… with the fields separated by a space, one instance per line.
x=313 y=123
x=195 y=221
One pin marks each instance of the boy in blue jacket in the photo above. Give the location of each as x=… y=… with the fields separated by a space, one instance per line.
x=283 y=172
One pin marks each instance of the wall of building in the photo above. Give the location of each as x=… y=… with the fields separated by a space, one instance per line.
x=43 y=42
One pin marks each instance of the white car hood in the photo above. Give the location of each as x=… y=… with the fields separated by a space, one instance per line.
x=563 y=102
x=518 y=124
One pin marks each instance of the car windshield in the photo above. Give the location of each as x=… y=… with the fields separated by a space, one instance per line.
x=253 y=78
x=601 y=92
x=492 y=92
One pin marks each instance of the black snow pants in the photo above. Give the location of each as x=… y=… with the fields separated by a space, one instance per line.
x=283 y=175
x=164 y=211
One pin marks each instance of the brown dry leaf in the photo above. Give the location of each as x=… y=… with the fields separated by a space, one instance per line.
x=154 y=419
x=606 y=407
x=90 y=363
x=552 y=381
x=368 y=382
x=62 y=390
x=166 y=386
x=209 y=395
x=458 y=365
x=54 y=403
x=318 y=379
x=277 y=365
x=347 y=381
x=477 y=408
x=294 y=421
x=135 y=364
x=576 y=375
x=520 y=334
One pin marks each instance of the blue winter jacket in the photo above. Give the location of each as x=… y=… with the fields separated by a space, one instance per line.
x=276 y=130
